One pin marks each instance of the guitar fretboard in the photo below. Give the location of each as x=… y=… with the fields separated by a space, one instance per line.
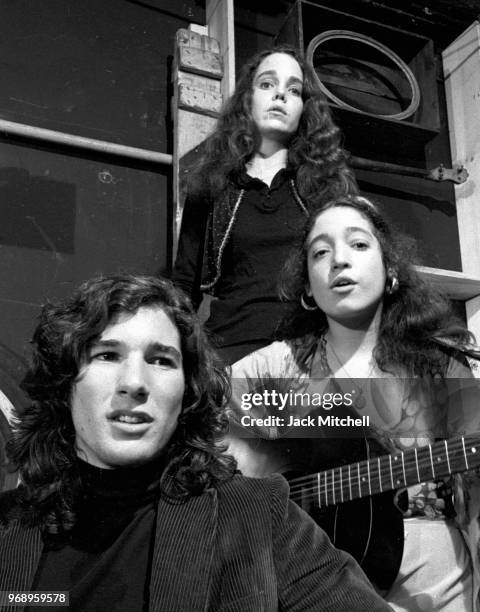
x=388 y=472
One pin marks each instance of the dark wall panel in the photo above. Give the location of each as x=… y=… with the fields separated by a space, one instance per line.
x=65 y=219
x=422 y=209
x=99 y=69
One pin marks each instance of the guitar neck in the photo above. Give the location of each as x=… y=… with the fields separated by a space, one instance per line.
x=389 y=472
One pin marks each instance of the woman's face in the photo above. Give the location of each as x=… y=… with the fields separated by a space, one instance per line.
x=277 y=102
x=345 y=266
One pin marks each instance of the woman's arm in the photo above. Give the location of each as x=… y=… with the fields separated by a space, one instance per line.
x=187 y=271
x=252 y=438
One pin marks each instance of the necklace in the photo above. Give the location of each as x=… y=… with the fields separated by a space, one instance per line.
x=360 y=400
x=218 y=260
x=297 y=197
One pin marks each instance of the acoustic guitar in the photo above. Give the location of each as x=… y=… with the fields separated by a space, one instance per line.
x=356 y=503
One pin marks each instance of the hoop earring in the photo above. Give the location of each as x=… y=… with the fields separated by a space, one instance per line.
x=392 y=284
x=306 y=306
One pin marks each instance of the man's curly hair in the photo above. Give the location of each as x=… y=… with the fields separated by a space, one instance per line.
x=42 y=447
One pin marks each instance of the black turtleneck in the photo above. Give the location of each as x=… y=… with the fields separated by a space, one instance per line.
x=105 y=561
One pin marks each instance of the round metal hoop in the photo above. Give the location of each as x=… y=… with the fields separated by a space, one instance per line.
x=333 y=34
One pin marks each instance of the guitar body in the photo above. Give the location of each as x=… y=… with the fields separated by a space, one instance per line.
x=370 y=529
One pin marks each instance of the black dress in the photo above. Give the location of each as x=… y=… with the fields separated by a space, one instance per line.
x=248 y=309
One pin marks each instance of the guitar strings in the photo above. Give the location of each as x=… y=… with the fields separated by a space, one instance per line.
x=329 y=495
x=353 y=487
x=331 y=491
x=386 y=472
x=385 y=475
x=409 y=457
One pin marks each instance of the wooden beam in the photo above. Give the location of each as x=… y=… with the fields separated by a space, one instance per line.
x=197 y=99
x=457 y=285
x=461 y=65
x=220 y=22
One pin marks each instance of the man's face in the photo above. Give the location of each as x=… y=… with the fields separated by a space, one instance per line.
x=128 y=395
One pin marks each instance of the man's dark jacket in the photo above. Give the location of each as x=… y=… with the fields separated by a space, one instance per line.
x=241 y=547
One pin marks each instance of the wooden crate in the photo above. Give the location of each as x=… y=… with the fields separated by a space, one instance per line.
x=368 y=80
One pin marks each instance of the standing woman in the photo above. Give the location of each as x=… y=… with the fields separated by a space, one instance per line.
x=368 y=324
x=274 y=156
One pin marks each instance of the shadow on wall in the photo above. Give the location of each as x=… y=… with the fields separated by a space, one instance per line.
x=36 y=212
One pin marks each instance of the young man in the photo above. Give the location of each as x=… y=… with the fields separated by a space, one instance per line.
x=126 y=501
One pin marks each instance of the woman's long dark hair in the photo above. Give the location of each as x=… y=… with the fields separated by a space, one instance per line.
x=42 y=447
x=414 y=318
x=315 y=152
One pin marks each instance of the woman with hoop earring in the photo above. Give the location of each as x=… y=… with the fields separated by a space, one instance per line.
x=368 y=327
